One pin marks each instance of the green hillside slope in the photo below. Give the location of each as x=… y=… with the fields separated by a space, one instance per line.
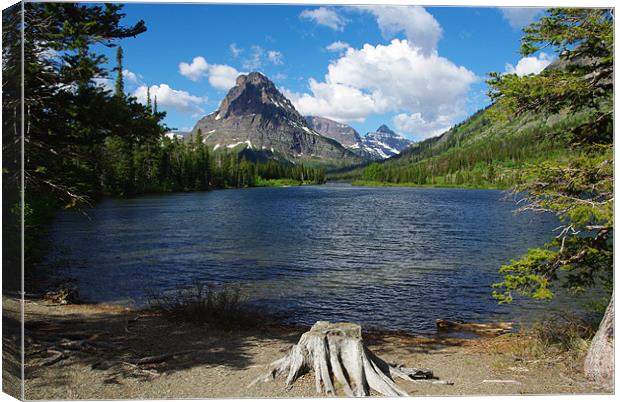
x=483 y=151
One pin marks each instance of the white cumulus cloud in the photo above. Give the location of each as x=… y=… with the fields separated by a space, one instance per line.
x=530 y=65
x=220 y=76
x=131 y=77
x=419 y=26
x=518 y=17
x=168 y=97
x=397 y=77
x=416 y=126
x=335 y=101
x=196 y=70
x=325 y=16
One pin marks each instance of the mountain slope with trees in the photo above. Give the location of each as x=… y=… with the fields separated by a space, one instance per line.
x=480 y=152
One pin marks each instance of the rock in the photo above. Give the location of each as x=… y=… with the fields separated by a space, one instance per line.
x=343 y=133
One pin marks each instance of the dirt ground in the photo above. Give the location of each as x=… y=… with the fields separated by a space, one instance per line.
x=101 y=347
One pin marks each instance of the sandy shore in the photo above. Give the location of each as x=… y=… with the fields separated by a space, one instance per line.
x=101 y=345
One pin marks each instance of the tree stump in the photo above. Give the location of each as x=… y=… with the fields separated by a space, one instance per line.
x=336 y=353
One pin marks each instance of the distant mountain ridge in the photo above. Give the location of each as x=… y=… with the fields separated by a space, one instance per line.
x=385 y=143
x=256 y=118
x=375 y=145
x=343 y=133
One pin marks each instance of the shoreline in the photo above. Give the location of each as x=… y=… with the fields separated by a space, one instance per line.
x=103 y=343
x=269 y=183
x=366 y=183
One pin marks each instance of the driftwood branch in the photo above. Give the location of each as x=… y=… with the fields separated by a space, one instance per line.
x=483 y=329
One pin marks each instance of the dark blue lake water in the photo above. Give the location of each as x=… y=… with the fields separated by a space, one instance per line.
x=390 y=258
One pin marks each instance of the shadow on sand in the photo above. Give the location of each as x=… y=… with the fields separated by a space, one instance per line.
x=143 y=345
x=138 y=344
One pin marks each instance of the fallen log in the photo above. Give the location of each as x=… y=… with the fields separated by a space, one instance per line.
x=498 y=328
x=336 y=353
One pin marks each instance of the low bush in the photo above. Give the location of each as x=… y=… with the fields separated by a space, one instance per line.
x=222 y=306
x=559 y=336
x=568 y=333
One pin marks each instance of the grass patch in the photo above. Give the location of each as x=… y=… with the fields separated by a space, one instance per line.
x=568 y=334
x=224 y=307
x=559 y=335
x=277 y=182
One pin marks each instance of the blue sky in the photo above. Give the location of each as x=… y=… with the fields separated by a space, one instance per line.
x=418 y=70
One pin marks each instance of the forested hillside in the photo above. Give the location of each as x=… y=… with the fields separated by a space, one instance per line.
x=482 y=151
x=173 y=164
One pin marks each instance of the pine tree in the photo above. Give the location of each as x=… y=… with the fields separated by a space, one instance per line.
x=580 y=191
x=148 y=100
x=119 y=88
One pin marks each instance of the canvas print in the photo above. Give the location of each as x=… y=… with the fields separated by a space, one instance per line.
x=295 y=200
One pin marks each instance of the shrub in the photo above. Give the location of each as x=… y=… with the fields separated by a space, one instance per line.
x=566 y=332
x=207 y=304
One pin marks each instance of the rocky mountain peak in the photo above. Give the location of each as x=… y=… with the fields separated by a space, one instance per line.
x=343 y=133
x=256 y=118
x=384 y=142
x=385 y=129
x=254 y=93
x=254 y=78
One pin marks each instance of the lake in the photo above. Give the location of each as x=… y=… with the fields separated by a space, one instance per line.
x=388 y=258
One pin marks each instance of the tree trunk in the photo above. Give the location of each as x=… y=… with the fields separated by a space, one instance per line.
x=599 y=364
x=336 y=352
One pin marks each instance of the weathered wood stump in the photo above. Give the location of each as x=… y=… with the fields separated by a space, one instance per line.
x=336 y=353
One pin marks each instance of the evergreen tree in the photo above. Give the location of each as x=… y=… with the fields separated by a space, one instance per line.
x=67 y=117
x=119 y=88
x=149 y=106
x=580 y=191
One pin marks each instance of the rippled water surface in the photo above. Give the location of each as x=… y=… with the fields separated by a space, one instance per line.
x=391 y=258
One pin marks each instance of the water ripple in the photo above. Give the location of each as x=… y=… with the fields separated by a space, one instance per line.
x=395 y=258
